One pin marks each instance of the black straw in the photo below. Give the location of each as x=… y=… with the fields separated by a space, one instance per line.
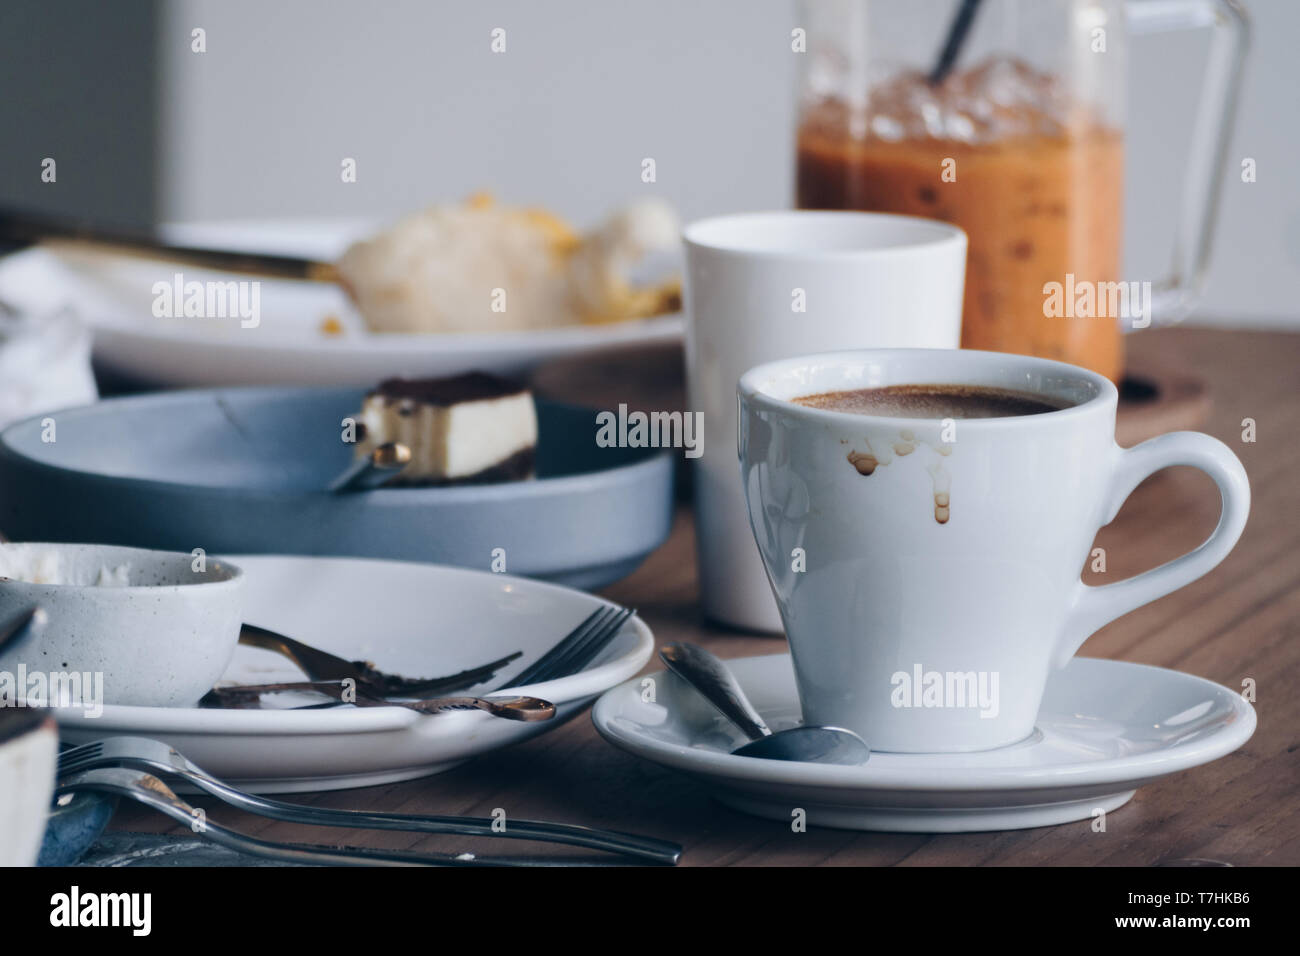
x=956 y=38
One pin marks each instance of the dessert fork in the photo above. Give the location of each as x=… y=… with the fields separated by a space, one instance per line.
x=373 y=470
x=579 y=647
x=144 y=753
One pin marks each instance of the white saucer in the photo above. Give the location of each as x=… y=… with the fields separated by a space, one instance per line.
x=417 y=620
x=1104 y=729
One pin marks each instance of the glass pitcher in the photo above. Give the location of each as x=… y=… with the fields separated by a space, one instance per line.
x=1021 y=143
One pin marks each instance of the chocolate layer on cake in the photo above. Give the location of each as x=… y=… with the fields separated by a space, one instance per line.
x=470 y=387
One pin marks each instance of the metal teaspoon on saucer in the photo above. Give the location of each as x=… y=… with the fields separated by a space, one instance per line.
x=711 y=678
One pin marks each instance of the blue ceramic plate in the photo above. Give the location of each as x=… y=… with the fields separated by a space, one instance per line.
x=241 y=470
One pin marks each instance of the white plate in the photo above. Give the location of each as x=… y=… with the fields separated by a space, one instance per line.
x=1105 y=728
x=412 y=619
x=114 y=295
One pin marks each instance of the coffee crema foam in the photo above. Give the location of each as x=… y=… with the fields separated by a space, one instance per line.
x=934 y=402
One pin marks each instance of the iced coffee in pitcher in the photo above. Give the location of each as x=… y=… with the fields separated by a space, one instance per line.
x=1006 y=118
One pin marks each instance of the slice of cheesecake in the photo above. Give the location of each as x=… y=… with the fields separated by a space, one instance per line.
x=460 y=430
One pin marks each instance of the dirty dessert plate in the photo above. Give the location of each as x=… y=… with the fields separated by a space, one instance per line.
x=416 y=620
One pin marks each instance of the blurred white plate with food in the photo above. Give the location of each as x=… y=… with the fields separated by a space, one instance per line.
x=471 y=286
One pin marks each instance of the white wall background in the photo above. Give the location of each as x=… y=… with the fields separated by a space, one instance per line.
x=258 y=125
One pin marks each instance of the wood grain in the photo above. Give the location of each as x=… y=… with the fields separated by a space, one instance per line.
x=1240 y=622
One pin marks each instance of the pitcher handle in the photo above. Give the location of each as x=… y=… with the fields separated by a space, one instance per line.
x=1175 y=294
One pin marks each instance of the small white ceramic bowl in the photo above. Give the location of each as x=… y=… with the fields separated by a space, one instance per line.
x=29 y=745
x=159 y=631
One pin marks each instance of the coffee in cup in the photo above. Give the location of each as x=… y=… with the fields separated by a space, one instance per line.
x=933 y=401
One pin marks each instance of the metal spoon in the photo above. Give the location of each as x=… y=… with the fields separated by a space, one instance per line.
x=374 y=469
x=711 y=678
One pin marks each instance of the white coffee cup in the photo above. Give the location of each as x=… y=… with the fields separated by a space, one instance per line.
x=762 y=286
x=927 y=636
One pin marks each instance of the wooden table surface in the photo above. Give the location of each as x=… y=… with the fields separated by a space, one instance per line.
x=1240 y=622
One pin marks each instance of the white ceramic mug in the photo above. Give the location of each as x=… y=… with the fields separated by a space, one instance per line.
x=928 y=636
x=761 y=286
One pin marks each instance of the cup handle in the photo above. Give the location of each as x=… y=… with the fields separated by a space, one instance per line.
x=1094 y=607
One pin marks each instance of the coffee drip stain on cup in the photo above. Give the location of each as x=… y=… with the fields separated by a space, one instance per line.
x=864 y=462
x=936 y=402
x=867 y=462
x=942 y=487
x=906 y=443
